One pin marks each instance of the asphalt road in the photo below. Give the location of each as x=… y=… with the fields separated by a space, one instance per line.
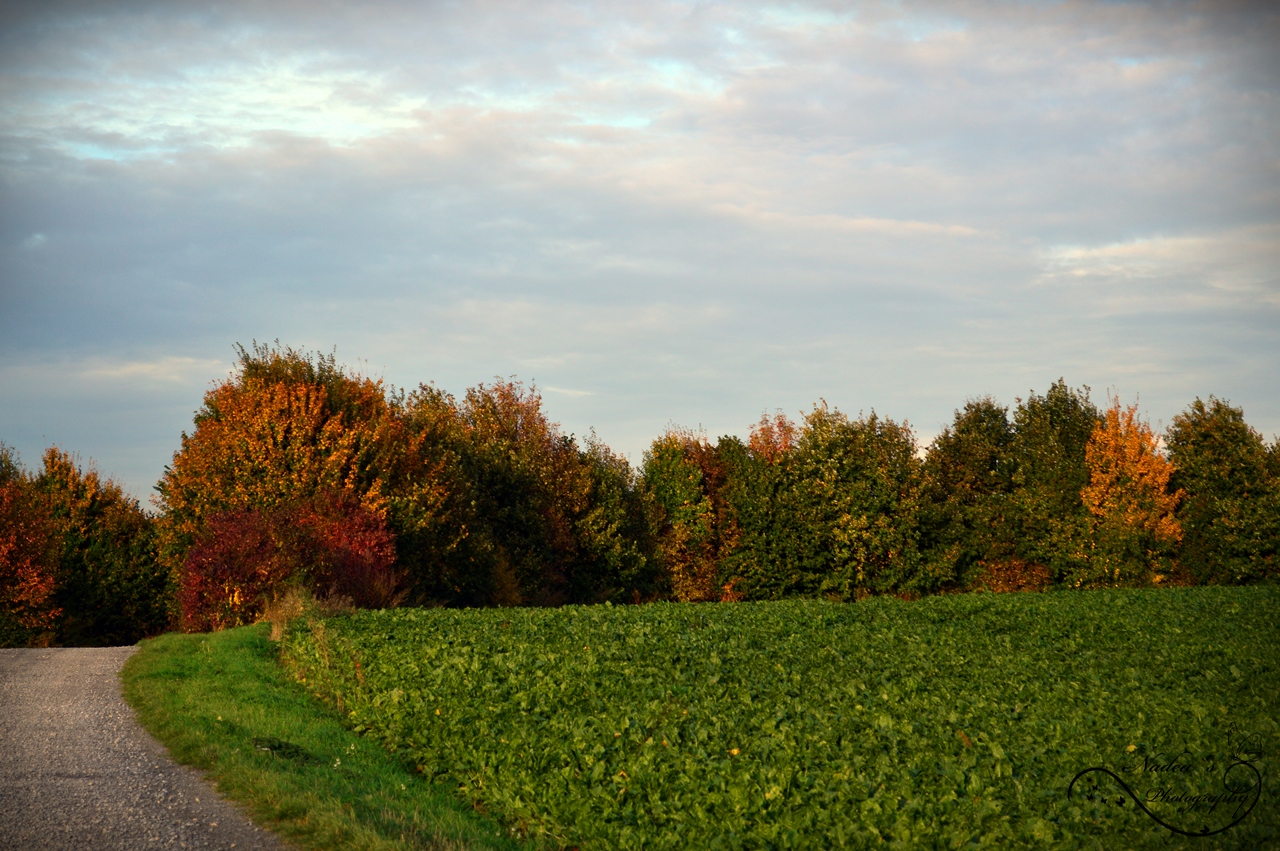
x=77 y=772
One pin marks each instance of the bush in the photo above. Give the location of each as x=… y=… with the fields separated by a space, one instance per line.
x=329 y=545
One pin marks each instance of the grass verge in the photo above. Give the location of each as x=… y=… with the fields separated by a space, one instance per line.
x=221 y=702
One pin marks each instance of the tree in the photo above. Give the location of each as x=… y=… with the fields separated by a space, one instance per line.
x=110 y=586
x=758 y=495
x=1230 y=516
x=285 y=427
x=522 y=514
x=855 y=498
x=834 y=515
x=684 y=476
x=1134 y=528
x=1042 y=521
x=28 y=558
x=967 y=471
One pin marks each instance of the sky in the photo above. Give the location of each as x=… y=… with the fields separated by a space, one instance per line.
x=659 y=213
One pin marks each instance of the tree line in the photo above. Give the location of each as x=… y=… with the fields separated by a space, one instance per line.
x=300 y=474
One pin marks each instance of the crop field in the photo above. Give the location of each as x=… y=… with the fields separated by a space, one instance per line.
x=951 y=722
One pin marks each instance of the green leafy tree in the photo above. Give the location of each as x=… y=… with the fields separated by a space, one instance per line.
x=836 y=514
x=619 y=559
x=967 y=473
x=758 y=494
x=1043 y=521
x=1230 y=516
x=531 y=518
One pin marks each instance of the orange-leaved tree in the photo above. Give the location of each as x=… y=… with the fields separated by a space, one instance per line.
x=1132 y=508
x=773 y=437
x=28 y=558
x=286 y=427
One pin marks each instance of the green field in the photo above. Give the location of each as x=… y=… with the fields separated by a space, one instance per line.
x=951 y=722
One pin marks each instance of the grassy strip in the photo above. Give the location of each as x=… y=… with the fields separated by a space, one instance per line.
x=222 y=703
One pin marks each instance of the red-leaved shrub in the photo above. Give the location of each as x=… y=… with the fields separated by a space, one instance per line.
x=238 y=561
x=347 y=551
x=330 y=545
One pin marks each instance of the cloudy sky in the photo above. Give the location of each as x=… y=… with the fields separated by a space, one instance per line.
x=662 y=213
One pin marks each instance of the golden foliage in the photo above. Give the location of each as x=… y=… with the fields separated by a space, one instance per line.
x=1128 y=494
x=262 y=444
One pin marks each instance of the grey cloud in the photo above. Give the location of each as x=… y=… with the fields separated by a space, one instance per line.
x=688 y=212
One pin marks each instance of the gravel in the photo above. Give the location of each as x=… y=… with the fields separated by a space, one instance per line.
x=76 y=770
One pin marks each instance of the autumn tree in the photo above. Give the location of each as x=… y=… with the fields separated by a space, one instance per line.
x=111 y=589
x=28 y=558
x=1230 y=515
x=1132 y=508
x=284 y=428
x=684 y=475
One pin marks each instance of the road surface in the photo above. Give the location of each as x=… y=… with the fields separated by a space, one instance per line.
x=77 y=772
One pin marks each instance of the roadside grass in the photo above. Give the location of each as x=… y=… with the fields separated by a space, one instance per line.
x=222 y=702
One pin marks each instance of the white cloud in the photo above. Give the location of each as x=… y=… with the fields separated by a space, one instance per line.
x=1239 y=268
x=169 y=370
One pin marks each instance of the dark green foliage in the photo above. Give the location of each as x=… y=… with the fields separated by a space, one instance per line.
x=506 y=510
x=967 y=471
x=953 y=722
x=1043 y=520
x=618 y=555
x=1230 y=514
